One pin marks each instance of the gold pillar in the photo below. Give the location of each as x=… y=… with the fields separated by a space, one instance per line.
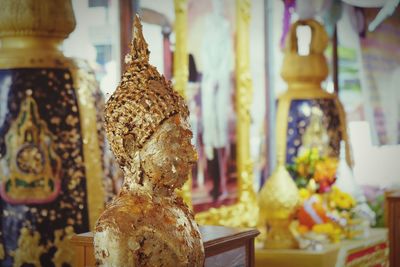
x=181 y=71
x=245 y=212
x=181 y=59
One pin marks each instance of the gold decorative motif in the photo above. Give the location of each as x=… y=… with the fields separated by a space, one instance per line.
x=29 y=249
x=146 y=124
x=245 y=212
x=63 y=254
x=181 y=71
x=34 y=172
x=86 y=86
x=181 y=60
x=278 y=200
x=39 y=18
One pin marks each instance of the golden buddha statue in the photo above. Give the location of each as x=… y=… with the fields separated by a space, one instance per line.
x=148 y=224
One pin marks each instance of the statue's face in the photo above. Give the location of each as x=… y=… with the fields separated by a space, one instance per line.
x=168 y=156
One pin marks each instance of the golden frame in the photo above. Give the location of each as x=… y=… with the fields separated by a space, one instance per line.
x=244 y=213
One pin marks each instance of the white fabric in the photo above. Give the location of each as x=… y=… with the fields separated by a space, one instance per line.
x=347 y=183
x=217 y=60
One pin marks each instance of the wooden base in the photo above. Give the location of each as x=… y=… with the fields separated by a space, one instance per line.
x=223 y=246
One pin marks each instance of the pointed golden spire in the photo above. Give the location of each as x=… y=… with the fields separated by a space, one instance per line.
x=139 y=52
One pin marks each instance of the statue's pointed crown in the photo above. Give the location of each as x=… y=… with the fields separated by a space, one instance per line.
x=143 y=100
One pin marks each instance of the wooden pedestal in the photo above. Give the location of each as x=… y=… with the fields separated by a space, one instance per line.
x=393 y=221
x=223 y=246
x=367 y=252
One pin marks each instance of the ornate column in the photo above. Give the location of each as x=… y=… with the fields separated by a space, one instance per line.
x=244 y=94
x=181 y=70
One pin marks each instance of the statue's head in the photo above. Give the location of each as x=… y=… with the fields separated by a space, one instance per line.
x=146 y=123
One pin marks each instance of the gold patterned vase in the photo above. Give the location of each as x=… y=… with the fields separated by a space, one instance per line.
x=309 y=117
x=51 y=142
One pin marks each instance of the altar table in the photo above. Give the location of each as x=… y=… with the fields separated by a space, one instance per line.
x=223 y=246
x=366 y=252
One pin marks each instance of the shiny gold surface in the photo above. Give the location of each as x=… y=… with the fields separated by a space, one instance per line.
x=245 y=212
x=181 y=71
x=146 y=125
x=41 y=18
x=181 y=60
x=85 y=85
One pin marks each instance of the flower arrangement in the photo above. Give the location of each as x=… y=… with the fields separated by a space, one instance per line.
x=329 y=214
x=326 y=213
x=310 y=165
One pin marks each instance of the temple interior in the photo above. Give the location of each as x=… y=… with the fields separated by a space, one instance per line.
x=200 y=133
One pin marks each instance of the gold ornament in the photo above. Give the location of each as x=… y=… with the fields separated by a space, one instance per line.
x=29 y=249
x=245 y=212
x=63 y=254
x=278 y=200
x=146 y=124
x=34 y=166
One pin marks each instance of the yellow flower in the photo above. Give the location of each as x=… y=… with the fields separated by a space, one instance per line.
x=325 y=169
x=304 y=193
x=334 y=232
x=340 y=199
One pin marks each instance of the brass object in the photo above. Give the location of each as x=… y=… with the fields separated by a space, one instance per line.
x=245 y=212
x=146 y=125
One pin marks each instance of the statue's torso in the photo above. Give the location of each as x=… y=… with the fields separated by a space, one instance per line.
x=134 y=227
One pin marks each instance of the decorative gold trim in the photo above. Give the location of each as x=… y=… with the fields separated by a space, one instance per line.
x=181 y=60
x=181 y=72
x=85 y=87
x=245 y=212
